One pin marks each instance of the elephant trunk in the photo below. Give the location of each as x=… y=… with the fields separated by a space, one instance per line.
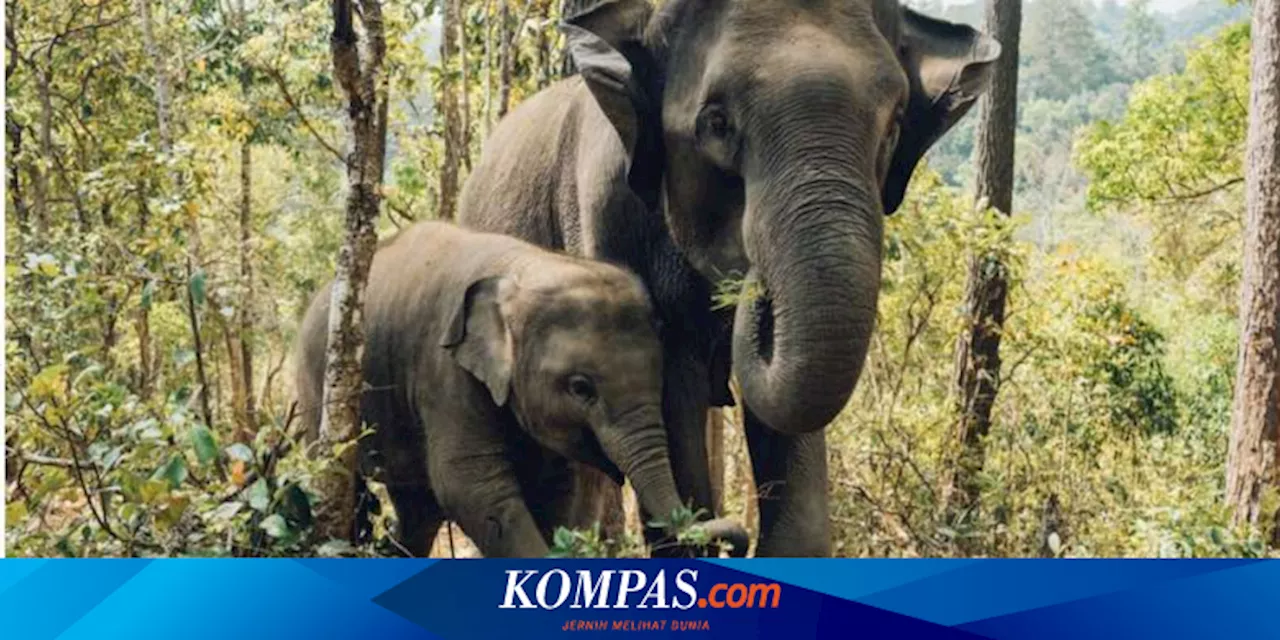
x=814 y=241
x=638 y=444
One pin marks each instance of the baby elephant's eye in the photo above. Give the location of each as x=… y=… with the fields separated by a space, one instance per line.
x=713 y=122
x=582 y=388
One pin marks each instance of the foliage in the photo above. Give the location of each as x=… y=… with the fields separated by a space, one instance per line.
x=1098 y=448
x=1199 y=114
x=112 y=338
x=1119 y=349
x=1078 y=63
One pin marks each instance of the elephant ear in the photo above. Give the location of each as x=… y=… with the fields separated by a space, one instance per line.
x=606 y=41
x=479 y=337
x=949 y=67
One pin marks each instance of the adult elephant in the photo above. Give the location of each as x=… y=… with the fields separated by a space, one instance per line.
x=731 y=138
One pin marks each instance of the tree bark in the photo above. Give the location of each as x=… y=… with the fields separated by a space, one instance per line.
x=161 y=87
x=715 y=458
x=1255 y=413
x=464 y=87
x=161 y=98
x=14 y=132
x=248 y=412
x=39 y=170
x=978 y=350
x=364 y=81
x=449 y=169
x=165 y=140
x=488 y=66
x=504 y=59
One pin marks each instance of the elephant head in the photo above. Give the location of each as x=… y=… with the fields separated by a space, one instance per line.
x=788 y=129
x=571 y=348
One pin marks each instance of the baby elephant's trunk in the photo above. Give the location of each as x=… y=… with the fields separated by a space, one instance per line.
x=638 y=445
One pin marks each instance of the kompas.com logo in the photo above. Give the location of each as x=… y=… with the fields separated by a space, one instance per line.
x=586 y=589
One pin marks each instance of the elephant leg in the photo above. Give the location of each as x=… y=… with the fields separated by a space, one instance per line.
x=477 y=486
x=685 y=400
x=565 y=493
x=419 y=517
x=791 y=481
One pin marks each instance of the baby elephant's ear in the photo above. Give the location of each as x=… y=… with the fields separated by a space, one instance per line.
x=479 y=337
x=606 y=42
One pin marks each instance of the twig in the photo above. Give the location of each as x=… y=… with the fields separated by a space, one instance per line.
x=47 y=461
x=293 y=104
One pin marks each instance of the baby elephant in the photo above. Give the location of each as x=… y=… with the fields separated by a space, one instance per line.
x=479 y=348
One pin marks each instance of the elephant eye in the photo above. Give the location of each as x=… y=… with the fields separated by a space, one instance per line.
x=582 y=388
x=895 y=127
x=714 y=122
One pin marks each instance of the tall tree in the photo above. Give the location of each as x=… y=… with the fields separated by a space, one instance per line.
x=1063 y=56
x=1141 y=37
x=504 y=58
x=978 y=351
x=194 y=275
x=1255 y=414
x=243 y=378
x=454 y=150
x=363 y=77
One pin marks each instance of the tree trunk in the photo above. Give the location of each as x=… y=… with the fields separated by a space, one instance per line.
x=504 y=59
x=40 y=172
x=449 y=169
x=365 y=84
x=247 y=418
x=1255 y=413
x=488 y=66
x=142 y=321
x=715 y=458
x=240 y=359
x=464 y=87
x=978 y=350
x=14 y=132
x=165 y=140
x=161 y=97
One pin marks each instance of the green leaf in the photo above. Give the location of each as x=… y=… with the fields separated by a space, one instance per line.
x=206 y=447
x=260 y=495
x=226 y=511
x=198 y=287
x=174 y=471
x=148 y=292
x=151 y=490
x=15 y=513
x=275 y=526
x=172 y=513
x=563 y=539
x=240 y=451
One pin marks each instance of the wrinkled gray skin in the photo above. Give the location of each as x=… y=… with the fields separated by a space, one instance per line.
x=489 y=361
x=758 y=137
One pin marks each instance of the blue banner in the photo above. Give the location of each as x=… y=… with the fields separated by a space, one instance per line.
x=350 y=599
